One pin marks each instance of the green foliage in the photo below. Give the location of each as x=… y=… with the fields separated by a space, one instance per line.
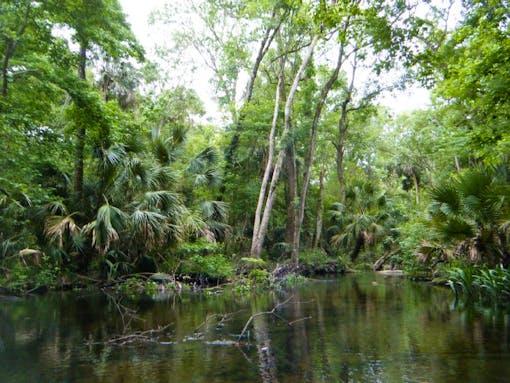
x=317 y=262
x=469 y=212
x=204 y=261
x=487 y=285
x=293 y=280
x=31 y=269
x=215 y=267
x=103 y=178
x=474 y=76
x=135 y=286
x=366 y=221
x=249 y=265
x=260 y=276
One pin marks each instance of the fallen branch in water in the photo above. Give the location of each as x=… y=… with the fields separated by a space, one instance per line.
x=127 y=314
x=223 y=318
x=147 y=336
x=138 y=337
x=273 y=313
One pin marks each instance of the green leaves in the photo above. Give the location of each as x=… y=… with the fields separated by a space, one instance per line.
x=470 y=210
x=473 y=74
x=105 y=229
x=486 y=285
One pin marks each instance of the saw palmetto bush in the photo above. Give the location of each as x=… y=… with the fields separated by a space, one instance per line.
x=139 y=205
x=365 y=220
x=470 y=215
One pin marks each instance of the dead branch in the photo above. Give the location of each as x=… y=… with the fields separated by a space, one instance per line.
x=273 y=313
x=138 y=337
x=223 y=318
x=127 y=314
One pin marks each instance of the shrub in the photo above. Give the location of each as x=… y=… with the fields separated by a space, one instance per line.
x=216 y=267
x=317 y=261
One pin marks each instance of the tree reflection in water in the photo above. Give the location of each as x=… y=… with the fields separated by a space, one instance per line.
x=363 y=328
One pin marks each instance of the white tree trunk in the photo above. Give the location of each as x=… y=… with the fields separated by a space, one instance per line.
x=259 y=235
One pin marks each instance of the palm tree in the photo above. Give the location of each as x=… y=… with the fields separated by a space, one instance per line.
x=361 y=222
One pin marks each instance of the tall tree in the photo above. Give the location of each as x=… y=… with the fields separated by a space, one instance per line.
x=96 y=24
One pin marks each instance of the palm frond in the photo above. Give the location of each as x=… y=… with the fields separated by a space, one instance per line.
x=447 y=198
x=454 y=228
x=163 y=150
x=148 y=226
x=476 y=181
x=214 y=210
x=56 y=208
x=112 y=156
x=209 y=177
x=162 y=177
x=105 y=229
x=209 y=155
x=58 y=227
x=163 y=200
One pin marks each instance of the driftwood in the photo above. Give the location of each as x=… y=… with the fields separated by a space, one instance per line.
x=139 y=337
x=380 y=262
x=273 y=313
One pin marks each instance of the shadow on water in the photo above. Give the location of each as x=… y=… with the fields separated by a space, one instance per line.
x=359 y=328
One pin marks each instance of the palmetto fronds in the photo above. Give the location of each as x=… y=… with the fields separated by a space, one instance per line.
x=203 y=168
x=165 y=150
x=359 y=222
x=148 y=226
x=105 y=229
x=162 y=200
x=470 y=211
x=58 y=227
x=162 y=177
x=215 y=215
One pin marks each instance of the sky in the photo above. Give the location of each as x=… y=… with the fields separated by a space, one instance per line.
x=138 y=11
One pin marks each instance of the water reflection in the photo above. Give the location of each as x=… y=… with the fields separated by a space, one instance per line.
x=362 y=329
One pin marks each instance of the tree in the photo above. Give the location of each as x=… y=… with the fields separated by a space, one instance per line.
x=97 y=24
x=471 y=76
x=265 y=204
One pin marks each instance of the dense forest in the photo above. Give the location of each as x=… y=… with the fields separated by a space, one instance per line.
x=110 y=168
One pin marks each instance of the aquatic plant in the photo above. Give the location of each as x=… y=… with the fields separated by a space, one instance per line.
x=481 y=284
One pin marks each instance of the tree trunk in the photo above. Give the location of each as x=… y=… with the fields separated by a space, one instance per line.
x=5 y=67
x=381 y=261
x=342 y=130
x=9 y=50
x=259 y=235
x=457 y=164
x=256 y=244
x=416 y=185
x=360 y=242
x=311 y=150
x=291 y=195
x=263 y=48
x=320 y=207
x=81 y=132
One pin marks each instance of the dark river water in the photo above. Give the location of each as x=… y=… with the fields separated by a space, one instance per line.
x=358 y=328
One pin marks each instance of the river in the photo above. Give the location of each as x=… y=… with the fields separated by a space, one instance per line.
x=357 y=328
